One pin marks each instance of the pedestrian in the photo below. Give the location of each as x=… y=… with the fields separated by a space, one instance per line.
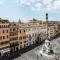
x=37 y=56
x=38 y=48
x=41 y=55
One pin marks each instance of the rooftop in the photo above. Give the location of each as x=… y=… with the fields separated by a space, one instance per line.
x=3 y=20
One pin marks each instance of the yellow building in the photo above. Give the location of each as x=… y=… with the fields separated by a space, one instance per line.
x=52 y=30
x=59 y=27
x=22 y=36
x=4 y=37
x=13 y=37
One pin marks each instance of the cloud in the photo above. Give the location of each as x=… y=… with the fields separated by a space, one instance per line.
x=46 y=2
x=38 y=5
x=54 y=6
x=25 y=2
x=1 y=2
x=17 y=1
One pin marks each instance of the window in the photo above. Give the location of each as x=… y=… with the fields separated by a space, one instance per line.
x=24 y=37
x=13 y=38
x=3 y=37
x=6 y=42
x=24 y=41
x=20 y=38
x=14 y=29
x=1 y=43
x=7 y=31
x=20 y=42
x=7 y=36
x=20 y=31
x=33 y=35
x=54 y=27
x=10 y=29
x=8 y=25
x=15 y=24
x=24 y=30
x=27 y=44
x=0 y=26
x=3 y=31
x=4 y=26
x=0 y=37
x=24 y=45
x=33 y=42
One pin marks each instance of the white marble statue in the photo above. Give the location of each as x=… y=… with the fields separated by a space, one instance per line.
x=47 y=48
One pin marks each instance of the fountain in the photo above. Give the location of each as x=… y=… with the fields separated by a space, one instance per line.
x=47 y=49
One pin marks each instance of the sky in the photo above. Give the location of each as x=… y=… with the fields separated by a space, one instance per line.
x=13 y=10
